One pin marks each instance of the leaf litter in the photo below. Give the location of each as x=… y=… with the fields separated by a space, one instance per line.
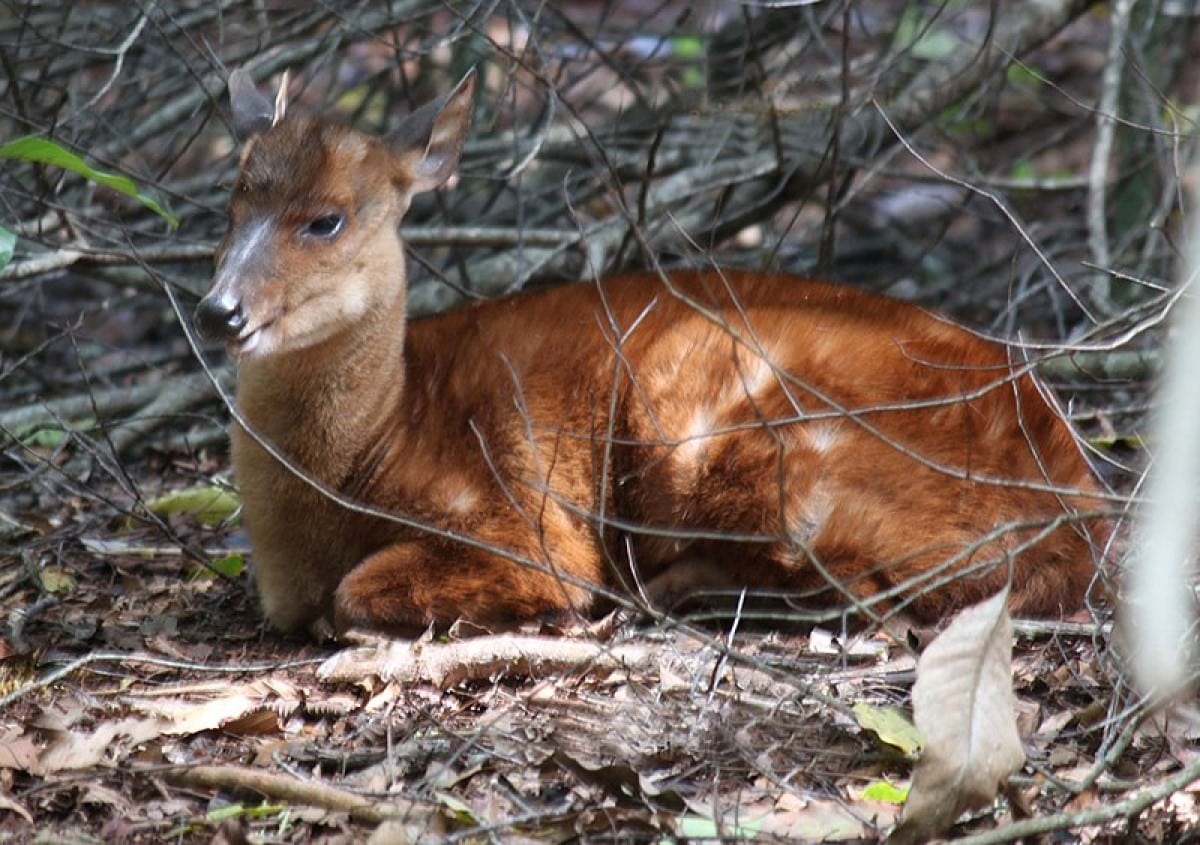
x=157 y=703
x=646 y=732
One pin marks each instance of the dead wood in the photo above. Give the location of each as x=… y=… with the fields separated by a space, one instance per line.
x=295 y=791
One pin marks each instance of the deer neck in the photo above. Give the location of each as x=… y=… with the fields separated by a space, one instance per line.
x=326 y=407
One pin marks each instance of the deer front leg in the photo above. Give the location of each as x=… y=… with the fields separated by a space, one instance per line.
x=406 y=587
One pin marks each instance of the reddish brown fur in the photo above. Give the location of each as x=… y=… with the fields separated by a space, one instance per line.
x=853 y=442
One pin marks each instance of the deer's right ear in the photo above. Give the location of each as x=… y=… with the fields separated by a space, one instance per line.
x=253 y=113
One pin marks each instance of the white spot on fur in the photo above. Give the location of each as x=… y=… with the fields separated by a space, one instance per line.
x=807 y=516
x=821 y=436
x=355 y=300
x=692 y=439
x=700 y=427
x=701 y=424
x=463 y=501
x=758 y=377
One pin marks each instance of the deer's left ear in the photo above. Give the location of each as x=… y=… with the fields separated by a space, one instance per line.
x=253 y=113
x=430 y=141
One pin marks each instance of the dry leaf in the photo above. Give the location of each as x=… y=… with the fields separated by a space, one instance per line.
x=182 y=716
x=789 y=818
x=14 y=806
x=964 y=706
x=17 y=750
x=253 y=723
x=81 y=750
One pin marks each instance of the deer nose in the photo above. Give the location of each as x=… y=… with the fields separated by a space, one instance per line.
x=220 y=316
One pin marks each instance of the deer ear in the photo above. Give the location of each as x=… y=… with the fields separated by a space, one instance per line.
x=253 y=112
x=429 y=142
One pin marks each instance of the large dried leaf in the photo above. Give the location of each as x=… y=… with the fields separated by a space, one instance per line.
x=243 y=708
x=71 y=749
x=17 y=750
x=964 y=706
x=789 y=817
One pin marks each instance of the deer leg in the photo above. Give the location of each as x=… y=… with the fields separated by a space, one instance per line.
x=404 y=588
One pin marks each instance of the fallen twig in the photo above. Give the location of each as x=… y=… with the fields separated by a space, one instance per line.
x=113 y=400
x=119 y=658
x=447 y=664
x=66 y=257
x=286 y=788
x=1094 y=815
x=174 y=397
x=1117 y=365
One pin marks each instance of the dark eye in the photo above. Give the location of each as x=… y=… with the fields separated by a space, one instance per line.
x=325 y=227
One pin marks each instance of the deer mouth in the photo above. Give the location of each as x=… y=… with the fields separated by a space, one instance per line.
x=245 y=344
x=249 y=340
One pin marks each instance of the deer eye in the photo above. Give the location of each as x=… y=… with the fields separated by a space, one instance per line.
x=326 y=227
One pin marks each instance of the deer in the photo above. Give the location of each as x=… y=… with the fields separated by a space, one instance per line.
x=647 y=436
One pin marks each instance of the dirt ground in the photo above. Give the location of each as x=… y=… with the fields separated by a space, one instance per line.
x=154 y=706
x=144 y=700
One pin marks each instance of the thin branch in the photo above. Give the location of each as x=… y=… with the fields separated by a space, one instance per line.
x=294 y=791
x=113 y=400
x=1101 y=160
x=1095 y=815
x=66 y=257
x=446 y=665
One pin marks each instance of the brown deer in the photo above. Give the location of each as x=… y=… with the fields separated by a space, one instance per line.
x=651 y=434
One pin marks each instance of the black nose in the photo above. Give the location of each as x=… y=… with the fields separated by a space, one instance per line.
x=220 y=317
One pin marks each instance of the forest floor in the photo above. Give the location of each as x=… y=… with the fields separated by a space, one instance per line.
x=145 y=701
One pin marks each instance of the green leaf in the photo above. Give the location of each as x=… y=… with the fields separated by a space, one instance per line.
x=925 y=40
x=890 y=725
x=210 y=504
x=460 y=809
x=234 y=811
x=1113 y=441
x=56 y=580
x=231 y=565
x=51 y=435
x=44 y=437
x=1022 y=170
x=687 y=46
x=265 y=810
x=229 y=811
x=888 y=793
x=698 y=827
x=42 y=151
x=689 y=49
x=1020 y=74
x=8 y=240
